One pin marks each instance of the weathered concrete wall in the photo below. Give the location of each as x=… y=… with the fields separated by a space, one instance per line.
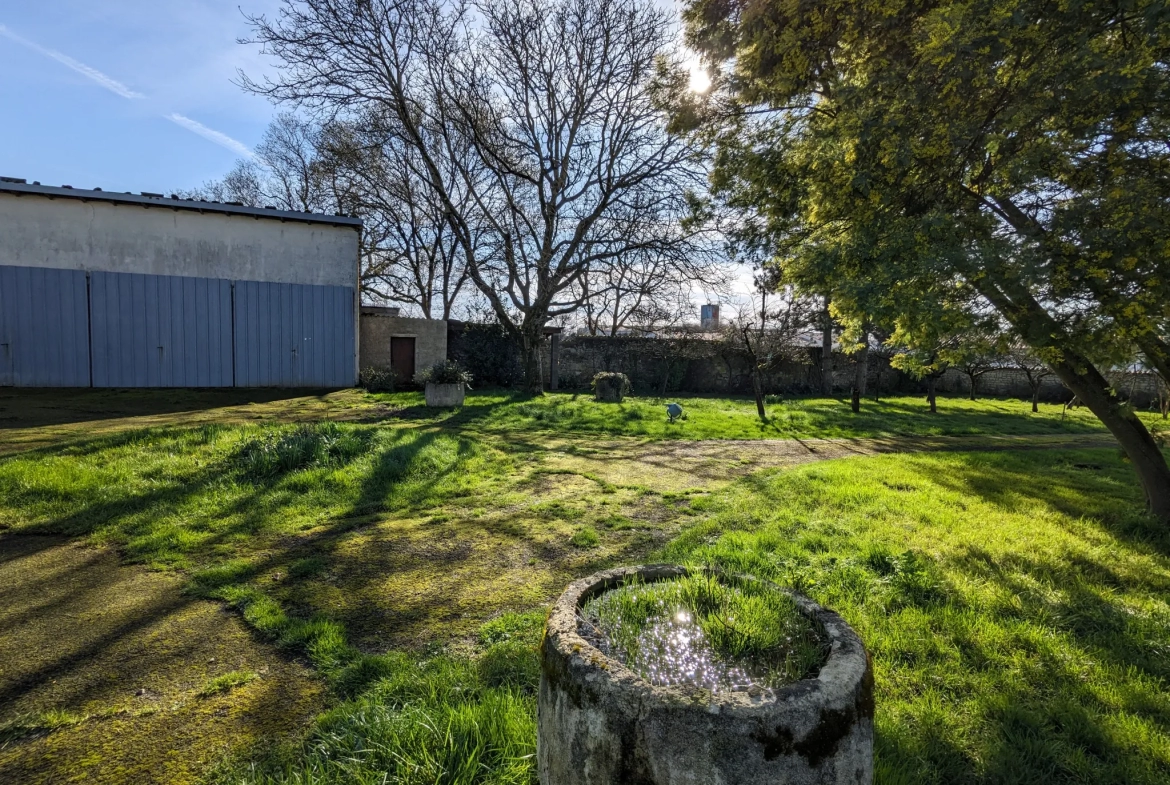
x=1140 y=389
x=36 y=231
x=430 y=340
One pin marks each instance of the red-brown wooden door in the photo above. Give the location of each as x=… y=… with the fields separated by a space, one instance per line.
x=402 y=360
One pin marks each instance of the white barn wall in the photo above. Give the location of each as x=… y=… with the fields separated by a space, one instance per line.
x=91 y=231
x=67 y=233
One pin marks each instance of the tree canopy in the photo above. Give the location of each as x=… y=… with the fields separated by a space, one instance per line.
x=910 y=155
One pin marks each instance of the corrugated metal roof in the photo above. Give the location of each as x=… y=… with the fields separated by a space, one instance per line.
x=14 y=185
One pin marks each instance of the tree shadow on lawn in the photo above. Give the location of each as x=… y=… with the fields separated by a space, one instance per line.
x=32 y=408
x=122 y=654
x=1088 y=485
x=1088 y=657
x=1072 y=692
x=1037 y=654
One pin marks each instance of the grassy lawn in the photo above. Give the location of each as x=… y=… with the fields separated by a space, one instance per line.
x=710 y=417
x=1014 y=602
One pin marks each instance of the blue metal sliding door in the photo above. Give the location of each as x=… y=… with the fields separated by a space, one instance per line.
x=44 y=328
x=67 y=328
x=293 y=335
x=160 y=331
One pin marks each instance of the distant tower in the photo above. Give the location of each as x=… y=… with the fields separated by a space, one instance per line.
x=709 y=317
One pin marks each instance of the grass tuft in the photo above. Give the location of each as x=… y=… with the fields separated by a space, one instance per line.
x=744 y=625
x=306 y=446
x=585 y=537
x=227 y=682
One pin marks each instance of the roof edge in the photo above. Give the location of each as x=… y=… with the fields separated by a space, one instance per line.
x=7 y=185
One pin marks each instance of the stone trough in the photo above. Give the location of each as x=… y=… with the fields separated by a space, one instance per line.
x=602 y=724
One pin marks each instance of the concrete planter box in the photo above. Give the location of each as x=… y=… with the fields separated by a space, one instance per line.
x=445 y=394
x=609 y=391
x=599 y=723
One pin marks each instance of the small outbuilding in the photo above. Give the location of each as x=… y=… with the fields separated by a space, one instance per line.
x=403 y=345
x=101 y=289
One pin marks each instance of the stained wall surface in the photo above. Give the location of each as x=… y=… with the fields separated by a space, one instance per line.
x=75 y=234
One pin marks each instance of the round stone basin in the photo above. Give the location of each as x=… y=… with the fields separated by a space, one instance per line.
x=601 y=723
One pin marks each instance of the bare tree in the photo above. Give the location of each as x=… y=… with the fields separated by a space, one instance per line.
x=1033 y=368
x=297 y=168
x=419 y=260
x=638 y=292
x=767 y=331
x=976 y=352
x=571 y=166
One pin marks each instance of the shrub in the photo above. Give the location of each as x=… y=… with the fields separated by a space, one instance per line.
x=1161 y=435
x=377 y=380
x=307 y=446
x=446 y=372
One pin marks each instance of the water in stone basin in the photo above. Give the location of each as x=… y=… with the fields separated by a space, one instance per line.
x=695 y=633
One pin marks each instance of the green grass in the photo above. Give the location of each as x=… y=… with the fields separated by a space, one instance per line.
x=1014 y=603
x=712 y=417
x=743 y=625
x=417 y=719
x=585 y=537
x=186 y=497
x=227 y=682
x=1015 y=607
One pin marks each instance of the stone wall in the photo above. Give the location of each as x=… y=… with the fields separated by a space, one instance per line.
x=702 y=365
x=1140 y=389
x=707 y=366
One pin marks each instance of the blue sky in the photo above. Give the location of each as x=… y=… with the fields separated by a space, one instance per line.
x=123 y=94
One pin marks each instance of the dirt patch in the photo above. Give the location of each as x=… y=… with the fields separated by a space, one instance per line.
x=678 y=465
x=33 y=419
x=123 y=654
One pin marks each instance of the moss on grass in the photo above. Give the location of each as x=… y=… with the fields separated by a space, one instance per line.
x=104 y=672
x=1014 y=603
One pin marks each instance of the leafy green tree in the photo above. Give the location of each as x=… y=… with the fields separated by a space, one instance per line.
x=1010 y=150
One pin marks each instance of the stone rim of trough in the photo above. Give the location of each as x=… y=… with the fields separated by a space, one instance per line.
x=843 y=685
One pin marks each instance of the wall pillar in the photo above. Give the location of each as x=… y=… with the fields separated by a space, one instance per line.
x=554 y=361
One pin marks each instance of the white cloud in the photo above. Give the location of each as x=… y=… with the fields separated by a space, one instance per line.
x=111 y=84
x=210 y=134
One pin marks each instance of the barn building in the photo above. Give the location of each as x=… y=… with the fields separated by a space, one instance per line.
x=101 y=289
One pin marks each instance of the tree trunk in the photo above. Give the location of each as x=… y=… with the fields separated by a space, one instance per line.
x=758 y=389
x=665 y=378
x=530 y=362
x=1084 y=381
x=862 y=369
x=930 y=394
x=1036 y=399
x=827 y=350
x=974 y=381
x=1092 y=389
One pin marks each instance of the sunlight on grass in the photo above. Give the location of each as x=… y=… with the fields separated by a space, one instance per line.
x=1015 y=606
x=710 y=417
x=1015 y=603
